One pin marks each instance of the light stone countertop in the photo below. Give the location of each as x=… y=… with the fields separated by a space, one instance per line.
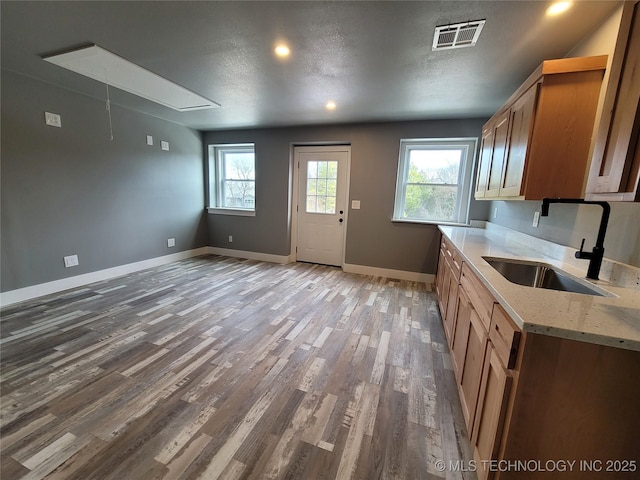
x=609 y=320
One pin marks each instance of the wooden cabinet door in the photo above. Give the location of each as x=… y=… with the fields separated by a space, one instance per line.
x=520 y=133
x=452 y=301
x=486 y=152
x=444 y=298
x=501 y=137
x=490 y=410
x=440 y=274
x=615 y=171
x=474 y=356
x=461 y=333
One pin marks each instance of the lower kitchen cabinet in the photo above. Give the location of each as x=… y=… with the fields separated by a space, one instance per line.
x=471 y=374
x=534 y=398
x=461 y=334
x=491 y=409
x=447 y=280
x=452 y=301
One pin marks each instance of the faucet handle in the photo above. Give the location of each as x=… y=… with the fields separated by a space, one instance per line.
x=582 y=253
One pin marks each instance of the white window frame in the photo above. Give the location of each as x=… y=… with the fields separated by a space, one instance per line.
x=465 y=176
x=217 y=178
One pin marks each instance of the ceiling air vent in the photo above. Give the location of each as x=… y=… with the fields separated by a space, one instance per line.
x=458 y=35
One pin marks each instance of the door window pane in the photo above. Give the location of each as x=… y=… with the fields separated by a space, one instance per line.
x=322 y=186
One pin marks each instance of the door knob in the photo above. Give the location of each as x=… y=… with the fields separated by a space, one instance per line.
x=341 y=212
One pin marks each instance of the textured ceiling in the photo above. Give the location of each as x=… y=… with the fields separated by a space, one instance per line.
x=373 y=59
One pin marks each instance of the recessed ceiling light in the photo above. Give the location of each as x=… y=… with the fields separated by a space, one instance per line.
x=282 y=51
x=331 y=105
x=557 y=8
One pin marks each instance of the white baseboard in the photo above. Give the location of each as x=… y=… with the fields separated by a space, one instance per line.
x=34 y=291
x=262 y=257
x=427 y=278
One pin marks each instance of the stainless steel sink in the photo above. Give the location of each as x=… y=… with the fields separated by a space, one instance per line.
x=539 y=275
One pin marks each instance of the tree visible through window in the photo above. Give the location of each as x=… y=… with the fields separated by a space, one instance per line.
x=232 y=177
x=434 y=180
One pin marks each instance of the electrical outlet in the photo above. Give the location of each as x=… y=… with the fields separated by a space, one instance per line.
x=52 y=119
x=71 y=261
x=536 y=219
x=171 y=242
x=495 y=212
x=164 y=145
x=230 y=238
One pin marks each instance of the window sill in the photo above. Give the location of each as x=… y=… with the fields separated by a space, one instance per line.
x=428 y=222
x=232 y=211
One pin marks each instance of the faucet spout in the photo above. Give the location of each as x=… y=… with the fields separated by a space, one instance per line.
x=597 y=254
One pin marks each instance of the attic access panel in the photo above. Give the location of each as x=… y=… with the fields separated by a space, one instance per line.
x=457 y=35
x=106 y=67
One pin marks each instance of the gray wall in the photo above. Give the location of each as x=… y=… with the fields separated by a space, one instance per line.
x=71 y=190
x=372 y=239
x=569 y=224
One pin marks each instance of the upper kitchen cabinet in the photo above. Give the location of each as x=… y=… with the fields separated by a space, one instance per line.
x=537 y=144
x=615 y=168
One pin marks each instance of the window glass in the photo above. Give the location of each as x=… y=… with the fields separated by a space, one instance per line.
x=434 y=180
x=232 y=177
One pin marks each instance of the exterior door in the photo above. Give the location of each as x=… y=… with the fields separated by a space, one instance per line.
x=322 y=204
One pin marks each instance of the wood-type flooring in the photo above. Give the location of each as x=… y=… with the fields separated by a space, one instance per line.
x=214 y=367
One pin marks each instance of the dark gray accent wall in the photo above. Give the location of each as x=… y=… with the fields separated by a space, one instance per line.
x=71 y=190
x=372 y=239
x=569 y=224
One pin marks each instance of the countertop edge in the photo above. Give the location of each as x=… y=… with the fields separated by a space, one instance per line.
x=532 y=327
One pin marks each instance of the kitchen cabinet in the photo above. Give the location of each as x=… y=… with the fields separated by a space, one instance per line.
x=492 y=407
x=572 y=400
x=460 y=341
x=440 y=276
x=537 y=144
x=470 y=344
x=486 y=152
x=495 y=387
x=531 y=397
x=447 y=280
x=471 y=369
x=615 y=167
x=521 y=119
x=498 y=151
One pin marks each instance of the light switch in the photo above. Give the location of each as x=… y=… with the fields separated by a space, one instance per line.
x=52 y=119
x=355 y=204
x=164 y=145
x=149 y=140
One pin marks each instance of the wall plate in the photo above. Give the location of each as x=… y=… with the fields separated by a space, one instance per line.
x=52 y=119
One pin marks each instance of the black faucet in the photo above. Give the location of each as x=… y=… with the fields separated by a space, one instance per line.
x=596 y=255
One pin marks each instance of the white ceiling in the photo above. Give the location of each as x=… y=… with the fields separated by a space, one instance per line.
x=373 y=59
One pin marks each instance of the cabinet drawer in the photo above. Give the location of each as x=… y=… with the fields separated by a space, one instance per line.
x=505 y=336
x=480 y=297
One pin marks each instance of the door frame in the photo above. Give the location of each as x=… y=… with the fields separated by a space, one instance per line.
x=295 y=191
